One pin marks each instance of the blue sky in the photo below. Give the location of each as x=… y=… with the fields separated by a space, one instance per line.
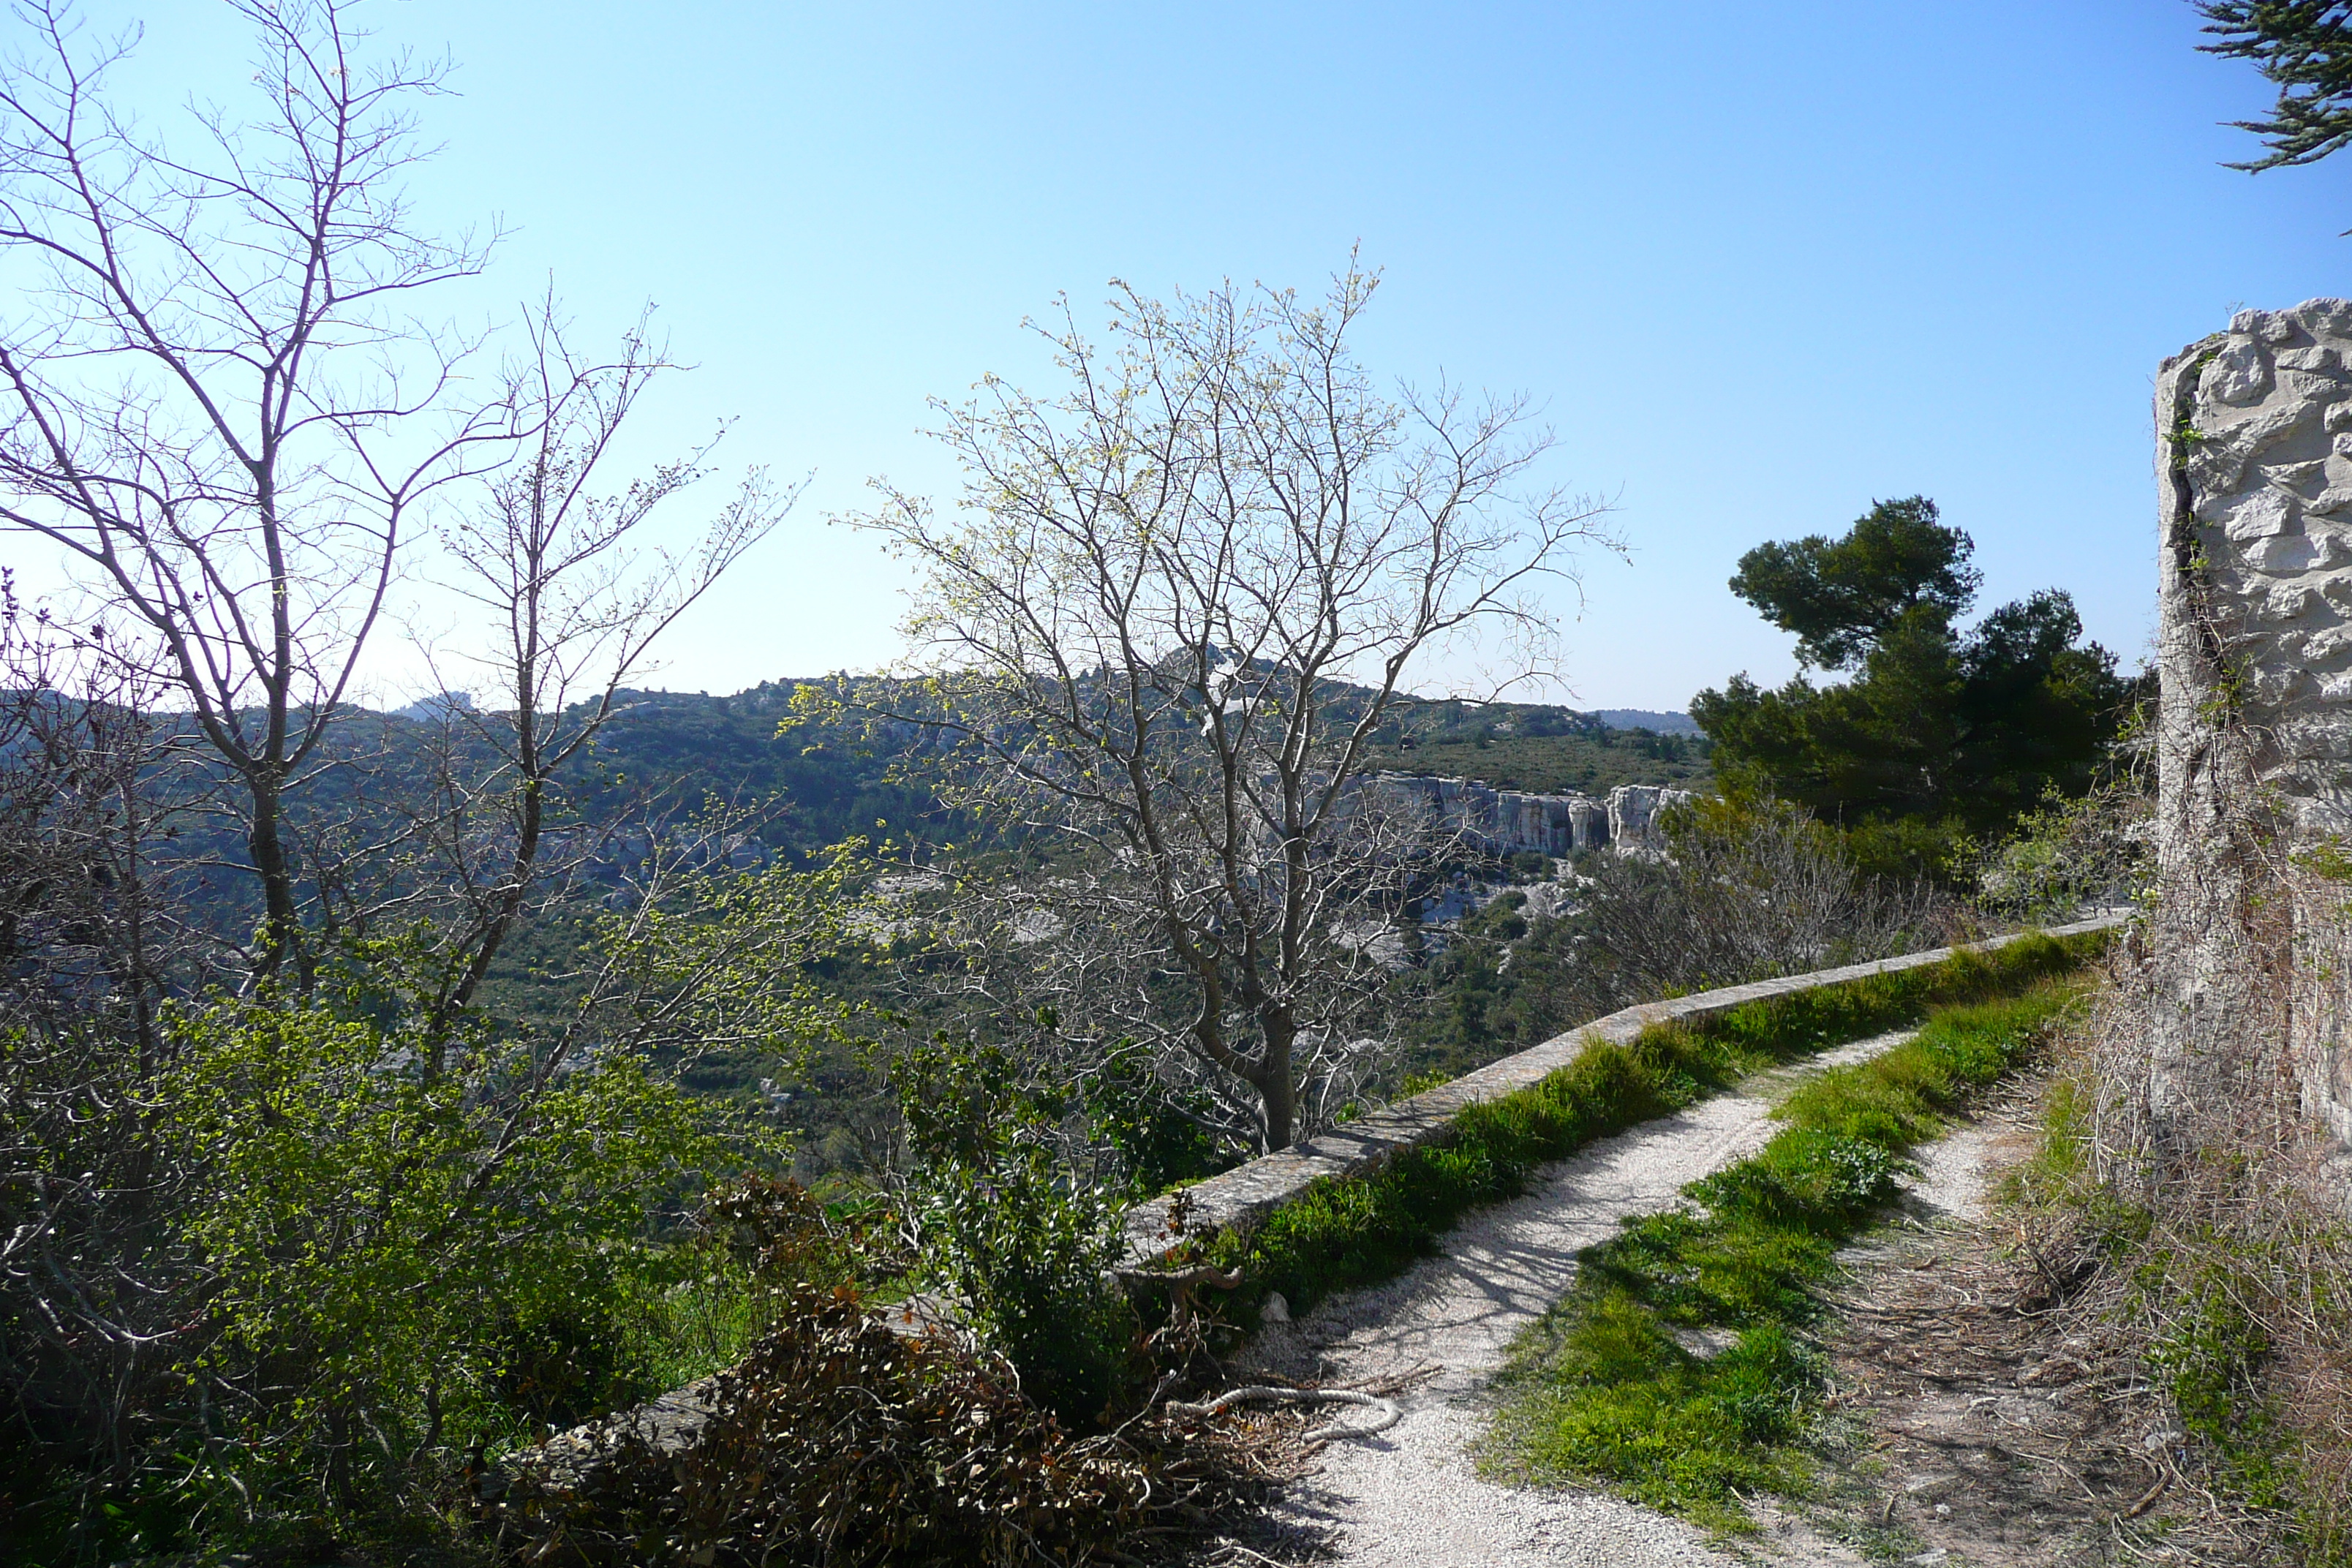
x=1757 y=265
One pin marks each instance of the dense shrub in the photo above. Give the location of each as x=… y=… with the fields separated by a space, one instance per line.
x=2066 y=854
x=1013 y=1220
x=371 y=1266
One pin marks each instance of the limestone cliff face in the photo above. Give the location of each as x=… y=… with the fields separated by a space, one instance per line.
x=1509 y=822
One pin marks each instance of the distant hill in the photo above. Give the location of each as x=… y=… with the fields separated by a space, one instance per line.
x=837 y=784
x=1643 y=718
x=1539 y=747
x=677 y=753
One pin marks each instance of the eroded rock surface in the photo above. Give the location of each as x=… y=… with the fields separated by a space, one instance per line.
x=2255 y=483
x=1513 y=822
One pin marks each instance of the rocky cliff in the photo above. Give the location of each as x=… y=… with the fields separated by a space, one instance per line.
x=1509 y=822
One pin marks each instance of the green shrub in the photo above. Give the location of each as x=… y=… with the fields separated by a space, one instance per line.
x=419 y=1262
x=1023 y=1238
x=2211 y=1362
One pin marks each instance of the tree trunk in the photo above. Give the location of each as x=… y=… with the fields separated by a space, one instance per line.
x=1278 y=1094
x=281 y=934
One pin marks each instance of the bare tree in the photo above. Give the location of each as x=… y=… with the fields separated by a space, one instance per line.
x=1178 y=601
x=1744 y=892
x=218 y=397
x=220 y=405
x=577 y=600
x=88 y=947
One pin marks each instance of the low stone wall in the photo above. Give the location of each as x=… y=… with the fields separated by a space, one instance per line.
x=1247 y=1194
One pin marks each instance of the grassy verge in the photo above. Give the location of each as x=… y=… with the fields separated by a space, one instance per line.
x=1601 y=1388
x=1357 y=1230
x=2232 y=1285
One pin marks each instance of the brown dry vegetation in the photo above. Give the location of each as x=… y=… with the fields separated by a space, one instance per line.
x=843 y=1440
x=1992 y=1400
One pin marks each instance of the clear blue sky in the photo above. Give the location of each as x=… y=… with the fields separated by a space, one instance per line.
x=1759 y=264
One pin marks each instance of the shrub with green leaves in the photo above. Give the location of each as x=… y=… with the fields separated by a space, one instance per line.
x=1022 y=1237
x=2069 y=852
x=424 y=1261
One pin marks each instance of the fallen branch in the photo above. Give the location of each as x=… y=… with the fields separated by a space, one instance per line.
x=1390 y=1414
x=2147 y=1498
x=1182 y=1279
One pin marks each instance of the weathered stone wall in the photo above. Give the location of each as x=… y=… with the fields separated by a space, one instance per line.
x=2255 y=483
x=2258 y=534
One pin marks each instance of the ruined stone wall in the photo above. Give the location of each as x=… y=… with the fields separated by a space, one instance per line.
x=2254 y=738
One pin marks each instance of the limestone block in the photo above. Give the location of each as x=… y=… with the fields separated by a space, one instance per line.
x=2288 y=602
x=2304 y=384
x=2239 y=374
x=2326 y=319
x=2254 y=514
x=2324 y=645
x=2284 y=554
x=2266 y=326
x=2315 y=738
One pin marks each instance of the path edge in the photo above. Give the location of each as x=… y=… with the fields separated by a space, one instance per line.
x=1243 y=1196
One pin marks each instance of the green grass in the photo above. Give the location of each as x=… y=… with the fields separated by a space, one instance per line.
x=703 y=1323
x=1599 y=1389
x=1346 y=1232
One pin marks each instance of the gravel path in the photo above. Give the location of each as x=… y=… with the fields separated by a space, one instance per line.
x=1410 y=1497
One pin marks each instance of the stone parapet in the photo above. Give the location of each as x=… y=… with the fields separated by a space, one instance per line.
x=1247 y=1194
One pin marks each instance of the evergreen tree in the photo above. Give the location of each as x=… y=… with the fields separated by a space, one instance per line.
x=1941 y=733
x=2305 y=47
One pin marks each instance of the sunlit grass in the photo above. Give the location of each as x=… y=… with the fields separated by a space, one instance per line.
x=1353 y=1231
x=1599 y=1389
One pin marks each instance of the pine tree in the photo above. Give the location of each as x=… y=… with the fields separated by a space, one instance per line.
x=2305 y=46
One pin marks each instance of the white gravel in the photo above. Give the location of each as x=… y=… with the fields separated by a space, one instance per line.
x=1410 y=1497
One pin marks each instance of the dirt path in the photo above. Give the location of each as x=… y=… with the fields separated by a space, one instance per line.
x=1977 y=1424
x=1410 y=1497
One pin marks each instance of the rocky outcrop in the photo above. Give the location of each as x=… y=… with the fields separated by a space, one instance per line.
x=1512 y=822
x=1634 y=811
